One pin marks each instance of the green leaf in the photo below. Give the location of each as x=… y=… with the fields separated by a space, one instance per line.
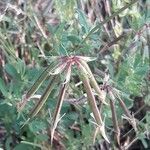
x=83 y=21
x=3 y=108
x=144 y=143
x=10 y=69
x=21 y=68
x=62 y=50
x=42 y=137
x=74 y=39
x=8 y=143
x=142 y=137
x=59 y=30
x=65 y=9
x=111 y=70
x=22 y=146
x=72 y=116
x=3 y=88
x=37 y=125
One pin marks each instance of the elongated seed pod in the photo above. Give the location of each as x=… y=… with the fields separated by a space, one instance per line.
x=34 y=88
x=58 y=109
x=93 y=82
x=92 y=103
x=114 y=118
x=43 y=98
x=58 y=68
x=68 y=73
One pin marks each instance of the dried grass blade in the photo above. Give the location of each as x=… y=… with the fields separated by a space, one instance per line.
x=58 y=109
x=34 y=88
x=93 y=82
x=43 y=98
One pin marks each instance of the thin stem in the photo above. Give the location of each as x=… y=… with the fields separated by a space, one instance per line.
x=34 y=145
x=131 y=119
x=131 y=143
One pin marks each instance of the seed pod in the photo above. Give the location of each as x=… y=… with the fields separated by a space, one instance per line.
x=34 y=88
x=43 y=98
x=114 y=117
x=129 y=117
x=93 y=82
x=58 y=68
x=92 y=103
x=58 y=109
x=68 y=73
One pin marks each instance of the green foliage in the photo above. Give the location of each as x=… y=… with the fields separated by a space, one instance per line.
x=65 y=9
x=3 y=88
x=83 y=141
x=83 y=22
x=73 y=35
x=132 y=73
